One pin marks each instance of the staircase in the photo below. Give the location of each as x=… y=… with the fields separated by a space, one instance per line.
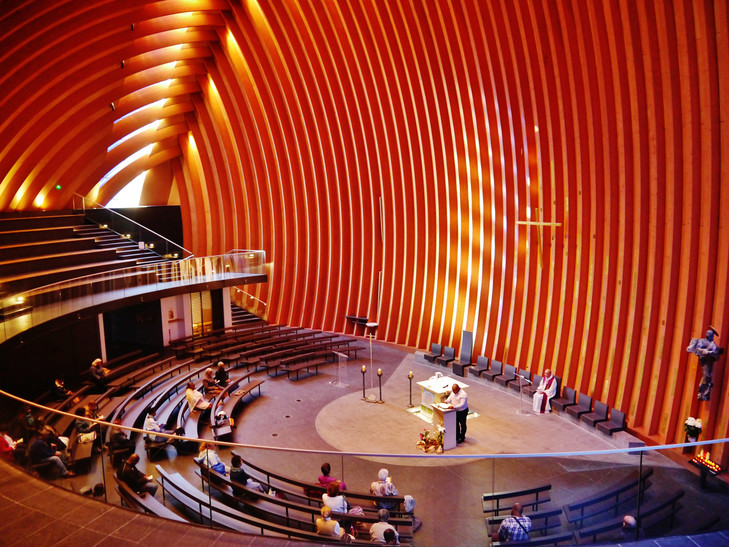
x=41 y=248
x=243 y=317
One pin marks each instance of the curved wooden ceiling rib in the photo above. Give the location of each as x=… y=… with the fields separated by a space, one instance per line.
x=132 y=48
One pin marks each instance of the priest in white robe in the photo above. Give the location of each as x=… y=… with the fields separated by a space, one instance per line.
x=546 y=390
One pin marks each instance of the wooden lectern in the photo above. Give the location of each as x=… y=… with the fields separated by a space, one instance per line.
x=445 y=418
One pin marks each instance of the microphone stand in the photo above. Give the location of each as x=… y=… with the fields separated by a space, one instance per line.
x=522 y=379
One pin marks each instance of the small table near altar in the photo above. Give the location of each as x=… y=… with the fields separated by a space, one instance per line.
x=434 y=391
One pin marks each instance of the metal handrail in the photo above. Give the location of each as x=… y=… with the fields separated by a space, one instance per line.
x=83 y=208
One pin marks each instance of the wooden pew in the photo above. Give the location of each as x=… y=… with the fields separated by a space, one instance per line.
x=221 y=515
x=651 y=515
x=554 y=539
x=229 y=399
x=147 y=504
x=607 y=500
x=309 y=513
x=285 y=484
x=532 y=495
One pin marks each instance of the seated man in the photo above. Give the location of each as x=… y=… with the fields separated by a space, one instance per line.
x=378 y=529
x=150 y=424
x=195 y=399
x=546 y=390
x=516 y=527
x=41 y=450
x=221 y=375
x=135 y=479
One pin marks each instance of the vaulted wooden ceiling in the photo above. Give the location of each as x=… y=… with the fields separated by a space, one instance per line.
x=383 y=154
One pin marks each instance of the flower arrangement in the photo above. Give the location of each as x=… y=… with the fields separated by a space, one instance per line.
x=692 y=427
x=431 y=441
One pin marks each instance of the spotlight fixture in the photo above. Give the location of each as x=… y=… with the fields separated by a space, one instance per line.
x=111 y=104
x=122 y=63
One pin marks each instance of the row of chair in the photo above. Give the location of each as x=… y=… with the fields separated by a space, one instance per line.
x=605 y=419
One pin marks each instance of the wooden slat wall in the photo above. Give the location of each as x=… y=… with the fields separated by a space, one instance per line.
x=383 y=152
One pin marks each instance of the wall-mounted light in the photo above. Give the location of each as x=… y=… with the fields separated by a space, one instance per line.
x=122 y=63
x=111 y=104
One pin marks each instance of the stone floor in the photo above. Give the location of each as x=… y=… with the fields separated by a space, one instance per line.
x=326 y=413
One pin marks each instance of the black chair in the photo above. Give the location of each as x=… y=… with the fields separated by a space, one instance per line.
x=497 y=367
x=449 y=354
x=532 y=388
x=599 y=414
x=567 y=399
x=509 y=375
x=522 y=380
x=482 y=365
x=583 y=406
x=614 y=424
x=435 y=352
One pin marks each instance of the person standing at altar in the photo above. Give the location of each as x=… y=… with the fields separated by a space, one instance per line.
x=458 y=401
x=546 y=390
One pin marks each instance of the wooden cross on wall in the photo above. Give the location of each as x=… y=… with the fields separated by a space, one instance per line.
x=537 y=222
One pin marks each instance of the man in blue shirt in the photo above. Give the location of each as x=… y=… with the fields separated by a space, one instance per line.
x=516 y=527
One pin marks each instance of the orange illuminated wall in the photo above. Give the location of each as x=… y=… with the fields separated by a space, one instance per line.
x=383 y=154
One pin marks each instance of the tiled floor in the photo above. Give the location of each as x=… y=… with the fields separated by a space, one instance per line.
x=318 y=414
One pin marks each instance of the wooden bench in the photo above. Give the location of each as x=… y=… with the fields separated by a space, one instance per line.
x=650 y=515
x=554 y=539
x=307 y=366
x=147 y=503
x=284 y=484
x=150 y=385
x=229 y=399
x=497 y=497
x=576 y=513
x=221 y=515
x=252 y=500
